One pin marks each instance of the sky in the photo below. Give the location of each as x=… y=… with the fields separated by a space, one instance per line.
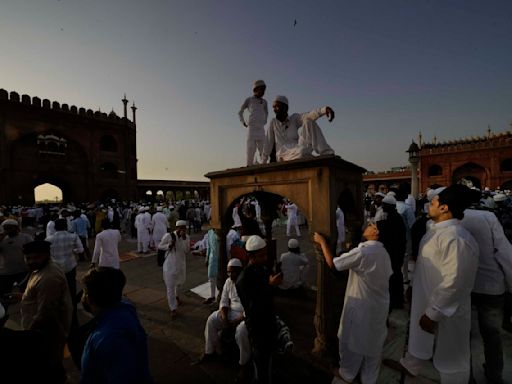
x=388 y=68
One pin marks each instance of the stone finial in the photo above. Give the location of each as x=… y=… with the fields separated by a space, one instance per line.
x=125 y=106
x=134 y=108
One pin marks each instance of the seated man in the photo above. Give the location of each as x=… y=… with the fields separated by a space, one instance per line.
x=229 y=314
x=283 y=131
x=293 y=264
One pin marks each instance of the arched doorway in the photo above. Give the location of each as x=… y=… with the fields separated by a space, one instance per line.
x=470 y=171
x=48 y=193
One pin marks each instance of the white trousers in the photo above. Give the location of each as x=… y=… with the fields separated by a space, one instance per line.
x=289 y=227
x=415 y=365
x=172 y=290
x=311 y=139
x=351 y=363
x=213 y=286
x=214 y=325
x=252 y=145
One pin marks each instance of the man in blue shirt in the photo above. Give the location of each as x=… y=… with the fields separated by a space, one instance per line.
x=80 y=225
x=116 y=350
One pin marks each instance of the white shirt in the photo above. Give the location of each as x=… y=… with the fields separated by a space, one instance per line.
x=229 y=297
x=291 y=267
x=285 y=135
x=50 y=228
x=258 y=115
x=291 y=213
x=495 y=252
x=159 y=224
x=176 y=258
x=106 y=248
x=142 y=223
x=365 y=310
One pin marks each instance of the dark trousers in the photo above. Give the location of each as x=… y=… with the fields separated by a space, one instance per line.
x=87 y=252
x=490 y=315
x=262 y=359
x=71 y=279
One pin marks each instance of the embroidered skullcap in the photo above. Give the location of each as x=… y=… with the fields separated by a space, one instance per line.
x=389 y=200
x=258 y=83
x=282 y=99
x=255 y=243
x=380 y=194
x=181 y=223
x=234 y=262
x=499 y=197
x=10 y=222
x=293 y=243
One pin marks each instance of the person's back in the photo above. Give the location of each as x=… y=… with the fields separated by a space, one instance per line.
x=116 y=350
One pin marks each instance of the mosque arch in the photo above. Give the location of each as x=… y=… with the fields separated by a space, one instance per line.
x=506 y=165
x=108 y=143
x=472 y=172
x=48 y=193
x=435 y=170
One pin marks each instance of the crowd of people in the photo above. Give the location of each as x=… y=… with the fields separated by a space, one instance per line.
x=452 y=249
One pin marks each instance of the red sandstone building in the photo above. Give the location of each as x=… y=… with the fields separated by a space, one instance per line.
x=484 y=161
x=88 y=155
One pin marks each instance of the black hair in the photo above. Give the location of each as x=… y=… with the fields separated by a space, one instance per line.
x=104 y=286
x=61 y=224
x=37 y=246
x=105 y=223
x=457 y=197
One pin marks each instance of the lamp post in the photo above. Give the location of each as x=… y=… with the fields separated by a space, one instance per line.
x=414 y=159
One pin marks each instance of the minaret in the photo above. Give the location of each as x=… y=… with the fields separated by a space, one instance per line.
x=420 y=139
x=134 y=108
x=125 y=102
x=414 y=159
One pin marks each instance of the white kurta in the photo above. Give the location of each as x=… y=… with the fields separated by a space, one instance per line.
x=175 y=267
x=340 y=225
x=290 y=144
x=142 y=224
x=106 y=253
x=363 y=320
x=159 y=224
x=231 y=237
x=236 y=217
x=258 y=115
x=291 y=213
x=495 y=256
x=292 y=265
x=443 y=279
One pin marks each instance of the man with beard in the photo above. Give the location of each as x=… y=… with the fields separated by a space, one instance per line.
x=46 y=305
x=283 y=132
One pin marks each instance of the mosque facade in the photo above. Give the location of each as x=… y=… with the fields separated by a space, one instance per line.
x=88 y=155
x=482 y=162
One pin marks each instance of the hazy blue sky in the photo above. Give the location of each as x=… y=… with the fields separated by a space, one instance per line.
x=388 y=68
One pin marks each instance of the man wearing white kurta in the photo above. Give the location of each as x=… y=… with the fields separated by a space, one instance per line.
x=493 y=275
x=362 y=330
x=232 y=236
x=230 y=313
x=293 y=266
x=175 y=268
x=106 y=252
x=159 y=224
x=445 y=272
x=283 y=131
x=291 y=214
x=143 y=226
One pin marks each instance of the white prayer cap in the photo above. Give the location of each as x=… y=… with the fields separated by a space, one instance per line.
x=391 y=193
x=380 y=194
x=255 y=243
x=282 y=99
x=499 y=197
x=181 y=223
x=234 y=262
x=10 y=222
x=258 y=83
x=389 y=200
x=434 y=192
x=159 y=209
x=293 y=243
x=2 y=311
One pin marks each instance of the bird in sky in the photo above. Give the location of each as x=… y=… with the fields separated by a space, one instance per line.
x=295 y=22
